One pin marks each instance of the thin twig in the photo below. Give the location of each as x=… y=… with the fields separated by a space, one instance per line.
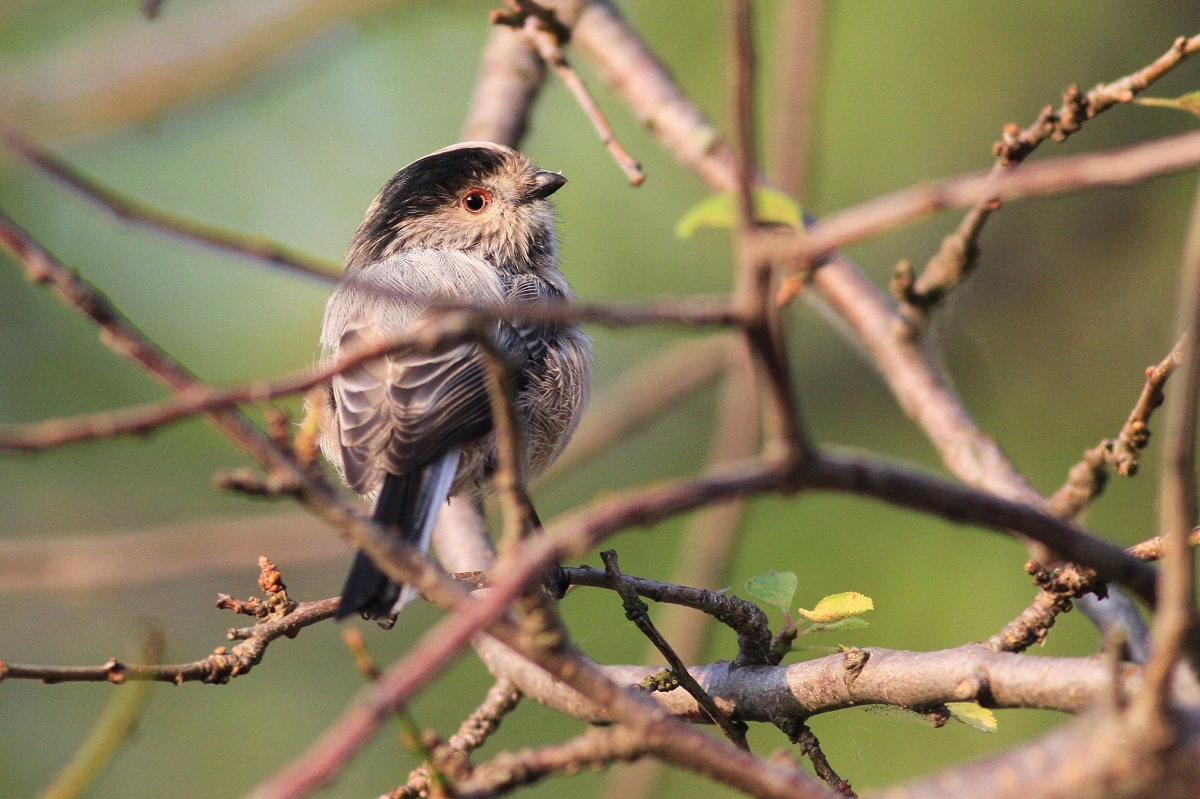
x=960 y=249
x=1032 y=624
x=597 y=747
x=1134 y=434
x=151 y=218
x=638 y=613
x=799 y=733
x=1085 y=481
x=474 y=731
x=547 y=38
x=742 y=616
x=1154 y=548
x=1087 y=478
x=1077 y=108
x=1174 y=631
x=218 y=668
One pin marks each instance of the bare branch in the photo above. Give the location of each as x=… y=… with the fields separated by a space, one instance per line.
x=598 y=746
x=547 y=37
x=510 y=78
x=742 y=616
x=1175 y=629
x=151 y=218
x=637 y=612
x=220 y=667
x=959 y=250
x=1087 y=478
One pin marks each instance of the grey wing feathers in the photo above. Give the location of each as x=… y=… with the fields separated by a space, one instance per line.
x=527 y=338
x=398 y=413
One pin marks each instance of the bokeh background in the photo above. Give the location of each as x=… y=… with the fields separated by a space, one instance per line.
x=289 y=133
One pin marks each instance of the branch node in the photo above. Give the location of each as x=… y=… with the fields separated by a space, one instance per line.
x=853 y=661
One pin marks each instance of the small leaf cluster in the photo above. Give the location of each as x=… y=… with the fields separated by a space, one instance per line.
x=836 y=612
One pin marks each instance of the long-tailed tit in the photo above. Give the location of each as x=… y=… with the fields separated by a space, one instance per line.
x=466 y=225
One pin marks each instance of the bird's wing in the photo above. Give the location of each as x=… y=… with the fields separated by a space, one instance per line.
x=526 y=339
x=400 y=412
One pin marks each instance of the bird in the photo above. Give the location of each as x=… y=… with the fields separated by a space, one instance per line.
x=467 y=225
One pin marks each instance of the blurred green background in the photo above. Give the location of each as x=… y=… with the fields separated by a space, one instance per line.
x=1047 y=342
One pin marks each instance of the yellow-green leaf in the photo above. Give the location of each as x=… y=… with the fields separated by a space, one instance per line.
x=973 y=715
x=720 y=211
x=838 y=606
x=1189 y=102
x=841 y=625
x=775 y=588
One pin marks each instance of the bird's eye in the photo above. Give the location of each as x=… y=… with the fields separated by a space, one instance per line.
x=476 y=200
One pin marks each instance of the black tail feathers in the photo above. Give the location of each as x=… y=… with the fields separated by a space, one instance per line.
x=408 y=505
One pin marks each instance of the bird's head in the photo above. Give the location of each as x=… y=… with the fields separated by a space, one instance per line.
x=476 y=196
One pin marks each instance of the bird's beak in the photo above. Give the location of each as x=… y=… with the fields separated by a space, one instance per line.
x=546 y=183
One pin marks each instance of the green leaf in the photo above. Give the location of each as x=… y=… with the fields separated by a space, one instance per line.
x=720 y=211
x=973 y=715
x=774 y=588
x=1189 y=102
x=838 y=606
x=841 y=625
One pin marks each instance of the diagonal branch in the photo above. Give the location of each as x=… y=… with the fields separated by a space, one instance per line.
x=547 y=35
x=454 y=324
x=637 y=612
x=151 y=218
x=1087 y=478
x=960 y=249
x=742 y=616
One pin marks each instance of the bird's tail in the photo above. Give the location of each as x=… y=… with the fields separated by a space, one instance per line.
x=408 y=505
